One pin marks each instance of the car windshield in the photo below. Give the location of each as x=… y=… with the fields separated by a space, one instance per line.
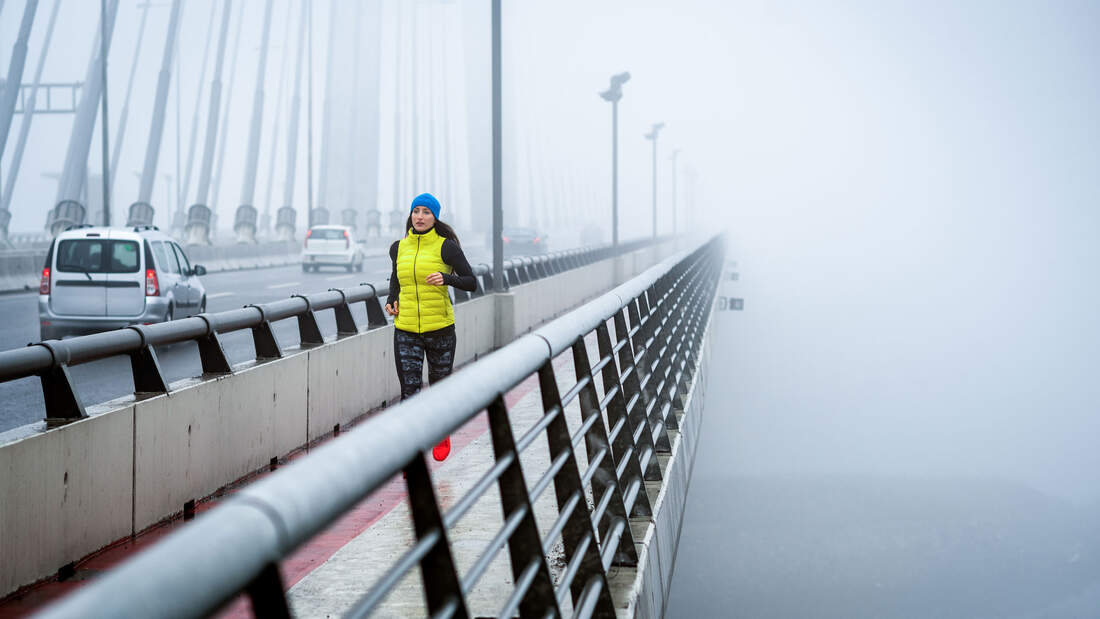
x=97 y=256
x=327 y=234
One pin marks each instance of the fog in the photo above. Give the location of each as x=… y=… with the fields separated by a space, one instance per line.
x=910 y=191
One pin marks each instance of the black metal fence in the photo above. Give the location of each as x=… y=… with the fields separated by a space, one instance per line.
x=50 y=360
x=648 y=334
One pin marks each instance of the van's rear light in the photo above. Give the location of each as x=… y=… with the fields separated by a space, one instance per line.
x=44 y=287
x=347 y=240
x=536 y=241
x=152 y=288
x=308 y=234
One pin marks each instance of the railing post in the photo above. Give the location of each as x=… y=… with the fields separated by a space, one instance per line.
x=148 y=378
x=211 y=353
x=645 y=319
x=595 y=440
x=63 y=404
x=267 y=347
x=345 y=322
x=524 y=545
x=662 y=364
x=267 y=595
x=437 y=569
x=637 y=404
x=487 y=279
x=375 y=316
x=578 y=537
x=623 y=444
x=309 y=334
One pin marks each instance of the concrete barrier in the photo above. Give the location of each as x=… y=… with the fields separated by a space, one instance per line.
x=21 y=270
x=349 y=377
x=191 y=442
x=66 y=493
x=73 y=490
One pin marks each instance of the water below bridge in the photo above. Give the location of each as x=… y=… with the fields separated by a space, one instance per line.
x=788 y=516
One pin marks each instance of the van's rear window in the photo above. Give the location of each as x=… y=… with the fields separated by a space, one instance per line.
x=328 y=234
x=98 y=256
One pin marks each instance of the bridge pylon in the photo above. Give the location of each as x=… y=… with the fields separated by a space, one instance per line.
x=244 y=224
x=141 y=214
x=285 y=219
x=197 y=229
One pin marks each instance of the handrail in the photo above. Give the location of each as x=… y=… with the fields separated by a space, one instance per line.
x=51 y=359
x=235 y=547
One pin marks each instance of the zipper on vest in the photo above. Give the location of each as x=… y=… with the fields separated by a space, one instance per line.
x=416 y=287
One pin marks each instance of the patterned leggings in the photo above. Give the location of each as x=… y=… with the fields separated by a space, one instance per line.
x=409 y=350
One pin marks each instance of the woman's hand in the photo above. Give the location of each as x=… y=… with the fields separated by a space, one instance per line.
x=435 y=279
x=391 y=309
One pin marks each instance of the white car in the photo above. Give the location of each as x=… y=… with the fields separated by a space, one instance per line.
x=97 y=279
x=333 y=246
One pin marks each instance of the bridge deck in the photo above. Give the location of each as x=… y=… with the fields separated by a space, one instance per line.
x=330 y=573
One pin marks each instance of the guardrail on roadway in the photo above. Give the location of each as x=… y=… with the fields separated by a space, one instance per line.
x=659 y=319
x=51 y=359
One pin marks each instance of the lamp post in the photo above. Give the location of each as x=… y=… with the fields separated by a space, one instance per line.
x=652 y=135
x=675 y=154
x=613 y=94
x=498 y=151
x=106 y=163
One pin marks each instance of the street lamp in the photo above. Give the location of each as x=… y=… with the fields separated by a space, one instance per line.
x=675 y=154
x=652 y=135
x=613 y=94
x=103 y=109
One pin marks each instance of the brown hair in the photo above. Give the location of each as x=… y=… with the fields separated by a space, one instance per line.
x=441 y=229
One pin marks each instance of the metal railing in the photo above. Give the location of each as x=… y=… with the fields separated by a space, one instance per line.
x=659 y=321
x=50 y=360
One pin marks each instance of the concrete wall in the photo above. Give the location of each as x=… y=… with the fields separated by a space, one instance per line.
x=70 y=491
x=66 y=493
x=191 y=442
x=21 y=269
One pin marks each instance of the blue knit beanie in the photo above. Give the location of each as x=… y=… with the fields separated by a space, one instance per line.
x=428 y=200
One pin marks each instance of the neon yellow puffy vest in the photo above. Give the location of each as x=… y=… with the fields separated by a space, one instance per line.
x=422 y=307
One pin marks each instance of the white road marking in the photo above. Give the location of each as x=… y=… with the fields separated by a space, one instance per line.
x=218 y=295
x=286 y=285
x=332 y=279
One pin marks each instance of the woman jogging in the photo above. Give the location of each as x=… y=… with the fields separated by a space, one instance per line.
x=425 y=262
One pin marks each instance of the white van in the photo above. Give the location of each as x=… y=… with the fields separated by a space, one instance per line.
x=99 y=278
x=332 y=246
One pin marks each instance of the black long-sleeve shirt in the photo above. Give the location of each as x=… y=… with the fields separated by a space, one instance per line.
x=463 y=277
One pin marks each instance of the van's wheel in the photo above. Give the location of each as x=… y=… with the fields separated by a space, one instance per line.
x=202 y=305
x=305 y=268
x=359 y=267
x=169 y=316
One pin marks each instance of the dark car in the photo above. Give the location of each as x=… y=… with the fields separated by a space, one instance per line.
x=523 y=242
